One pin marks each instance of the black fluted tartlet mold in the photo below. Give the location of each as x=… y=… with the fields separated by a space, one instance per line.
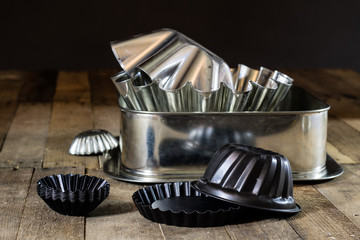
x=74 y=195
x=177 y=203
x=251 y=177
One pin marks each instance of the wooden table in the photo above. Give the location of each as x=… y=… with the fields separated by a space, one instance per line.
x=41 y=112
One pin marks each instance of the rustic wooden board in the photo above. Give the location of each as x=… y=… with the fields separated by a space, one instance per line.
x=66 y=121
x=343 y=99
x=117 y=217
x=347 y=77
x=345 y=138
x=14 y=186
x=72 y=86
x=7 y=112
x=106 y=113
x=40 y=222
x=174 y=232
x=104 y=101
x=10 y=85
x=71 y=114
x=107 y=117
x=350 y=79
x=319 y=219
x=344 y=192
x=337 y=155
x=257 y=229
x=25 y=142
x=103 y=91
x=38 y=86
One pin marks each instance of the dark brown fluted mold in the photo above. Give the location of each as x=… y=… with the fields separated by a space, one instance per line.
x=179 y=204
x=74 y=195
x=251 y=177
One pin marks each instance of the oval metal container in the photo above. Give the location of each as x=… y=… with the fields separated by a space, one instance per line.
x=162 y=147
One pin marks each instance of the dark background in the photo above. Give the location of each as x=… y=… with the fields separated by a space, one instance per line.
x=75 y=35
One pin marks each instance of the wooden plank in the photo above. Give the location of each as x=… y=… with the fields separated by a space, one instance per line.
x=174 y=232
x=319 y=219
x=323 y=84
x=108 y=118
x=351 y=80
x=14 y=187
x=10 y=85
x=66 y=121
x=117 y=216
x=25 y=142
x=258 y=228
x=336 y=91
x=39 y=221
x=103 y=90
x=348 y=77
x=38 y=87
x=71 y=114
x=344 y=192
x=345 y=138
x=104 y=101
x=72 y=86
x=7 y=112
x=337 y=155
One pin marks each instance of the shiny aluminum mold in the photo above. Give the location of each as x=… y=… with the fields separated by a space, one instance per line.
x=163 y=146
x=180 y=75
x=93 y=142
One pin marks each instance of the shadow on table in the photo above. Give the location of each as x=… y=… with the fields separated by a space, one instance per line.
x=114 y=208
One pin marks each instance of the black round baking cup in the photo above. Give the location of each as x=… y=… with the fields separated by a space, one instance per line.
x=179 y=204
x=250 y=177
x=74 y=195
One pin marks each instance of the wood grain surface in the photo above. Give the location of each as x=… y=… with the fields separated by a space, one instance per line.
x=42 y=111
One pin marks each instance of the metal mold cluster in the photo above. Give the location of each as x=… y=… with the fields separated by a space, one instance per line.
x=165 y=71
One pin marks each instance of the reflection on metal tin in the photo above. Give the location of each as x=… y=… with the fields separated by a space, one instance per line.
x=158 y=147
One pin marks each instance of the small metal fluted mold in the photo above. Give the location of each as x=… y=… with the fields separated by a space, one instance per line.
x=93 y=142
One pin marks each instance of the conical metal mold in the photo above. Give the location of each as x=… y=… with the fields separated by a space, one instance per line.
x=165 y=53
x=242 y=76
x=132 y=52
x=284 y=83
x=123 y=83
x=147 y=92
x=236 y=100
x=262 y=92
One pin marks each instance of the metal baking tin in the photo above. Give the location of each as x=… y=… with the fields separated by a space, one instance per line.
x=168 y=146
